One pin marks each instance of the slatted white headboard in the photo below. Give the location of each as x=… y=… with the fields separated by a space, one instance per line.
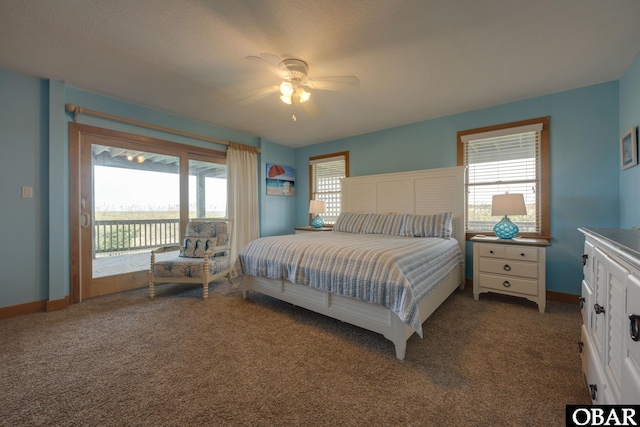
x=424 y=192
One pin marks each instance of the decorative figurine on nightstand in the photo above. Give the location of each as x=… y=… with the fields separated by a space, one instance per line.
x=507 y=204
x=317 y=207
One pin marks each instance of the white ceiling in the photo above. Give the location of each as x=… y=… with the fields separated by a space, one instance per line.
x=416 y=59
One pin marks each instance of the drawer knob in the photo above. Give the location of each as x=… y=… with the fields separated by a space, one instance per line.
x=582 y=301
x=522 y=255
x=580 y=346
x=506 y=284
x=507 y=268
x=585 y=257
x=634 y=327
x=490 y=252
x=594 y=391
x=598 y=308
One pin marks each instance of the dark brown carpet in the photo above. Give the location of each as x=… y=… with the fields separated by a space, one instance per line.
x=123 y=360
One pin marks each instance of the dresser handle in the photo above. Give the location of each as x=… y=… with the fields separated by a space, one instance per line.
x=634 y=327
x=598 y=308
x=507 y=268
x=584 y=259
x=522 y=254
x=594 y=391
x=580 y=346
x=490 y=252
x=506 y=284
x=582 y=301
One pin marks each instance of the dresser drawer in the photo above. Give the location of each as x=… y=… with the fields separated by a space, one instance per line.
x=511 y=284
x=491 y=251
x=509 y=267
x=523 y=254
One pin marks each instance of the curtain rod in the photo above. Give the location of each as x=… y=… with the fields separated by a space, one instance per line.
x=80 y=110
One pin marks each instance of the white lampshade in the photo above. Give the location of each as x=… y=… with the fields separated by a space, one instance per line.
x=286 y=89
x=317 y=206
x=285 y=99
x=508 y=204
x=303 y=95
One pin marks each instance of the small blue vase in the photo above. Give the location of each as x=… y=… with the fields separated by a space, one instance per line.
x=505 y=229
x=317 y=222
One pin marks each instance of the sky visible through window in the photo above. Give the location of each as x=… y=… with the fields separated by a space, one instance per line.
x=130 y=190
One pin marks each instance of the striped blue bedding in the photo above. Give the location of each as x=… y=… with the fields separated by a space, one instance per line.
x=392 y=271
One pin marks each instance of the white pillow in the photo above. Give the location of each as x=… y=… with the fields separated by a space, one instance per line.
x=349 y=222
x=438 y=225
x=392 y=224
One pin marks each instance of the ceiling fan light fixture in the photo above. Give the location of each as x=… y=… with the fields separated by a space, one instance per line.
x=303 y=95
x=286 y=89
x=286 y=99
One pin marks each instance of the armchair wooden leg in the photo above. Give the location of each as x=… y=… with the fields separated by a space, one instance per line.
x=205 y=277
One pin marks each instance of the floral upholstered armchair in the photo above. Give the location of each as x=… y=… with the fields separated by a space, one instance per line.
x=204 y=256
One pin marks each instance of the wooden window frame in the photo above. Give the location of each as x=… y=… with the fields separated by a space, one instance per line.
x=545 y=210
x=326 y=156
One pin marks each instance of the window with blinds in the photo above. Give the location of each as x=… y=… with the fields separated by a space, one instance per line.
x=325 y=173
x=506 y=159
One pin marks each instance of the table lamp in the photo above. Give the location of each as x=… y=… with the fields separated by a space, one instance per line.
x=317 y=207
x=507 y=204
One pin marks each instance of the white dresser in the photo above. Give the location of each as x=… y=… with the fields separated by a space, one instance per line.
x=610 y=305
x=512 y=267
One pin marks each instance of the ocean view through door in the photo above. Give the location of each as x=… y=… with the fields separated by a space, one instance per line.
x=132 y=198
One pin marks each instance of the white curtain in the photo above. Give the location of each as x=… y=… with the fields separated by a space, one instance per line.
x=242 y=195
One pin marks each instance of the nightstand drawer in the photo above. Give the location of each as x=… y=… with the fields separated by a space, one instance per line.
x=523 y=254
x=511 y=284
x=509 y=268
x=491 y=251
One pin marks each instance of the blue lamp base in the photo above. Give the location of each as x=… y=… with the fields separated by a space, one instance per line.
x=505 y=229
x=317 y=221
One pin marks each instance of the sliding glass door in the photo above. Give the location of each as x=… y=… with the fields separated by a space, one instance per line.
x=207 y=188
x=134 y=197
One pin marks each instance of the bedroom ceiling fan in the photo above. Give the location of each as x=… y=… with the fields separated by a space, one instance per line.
x=294 y=82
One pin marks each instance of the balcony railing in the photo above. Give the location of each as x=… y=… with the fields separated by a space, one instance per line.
x=117 y=237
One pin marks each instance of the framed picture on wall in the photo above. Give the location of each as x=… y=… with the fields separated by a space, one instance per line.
x=281 y=180
x=628 y=149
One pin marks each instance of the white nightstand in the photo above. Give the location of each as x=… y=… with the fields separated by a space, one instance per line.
x=512 y=267
x=310 y=229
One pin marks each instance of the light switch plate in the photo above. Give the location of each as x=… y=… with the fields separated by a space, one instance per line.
x=27 y=192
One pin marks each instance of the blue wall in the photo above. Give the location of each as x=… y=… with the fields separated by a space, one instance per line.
x=24 y=162
x=584 y=164
x=630 y=116
x=277 y=213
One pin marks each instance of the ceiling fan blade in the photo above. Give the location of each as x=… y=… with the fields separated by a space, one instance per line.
x=271 y=58
x=333 y=82
x=271 y=62
x=258 y=94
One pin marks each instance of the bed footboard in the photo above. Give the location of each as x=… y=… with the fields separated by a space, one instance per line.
x=372 y=317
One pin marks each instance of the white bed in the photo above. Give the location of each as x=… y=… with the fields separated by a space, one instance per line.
x=424 y=192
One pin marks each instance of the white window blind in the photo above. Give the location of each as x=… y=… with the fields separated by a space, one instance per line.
x=507 y=160
x=326 y=174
